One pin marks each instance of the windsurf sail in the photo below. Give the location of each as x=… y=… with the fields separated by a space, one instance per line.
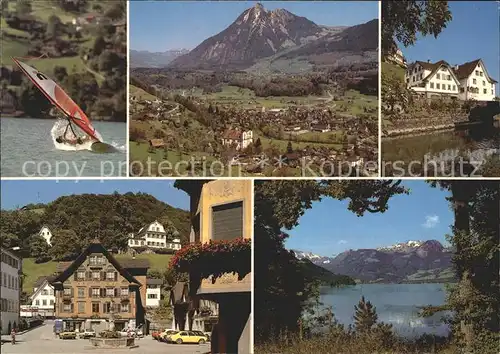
x=56 y=95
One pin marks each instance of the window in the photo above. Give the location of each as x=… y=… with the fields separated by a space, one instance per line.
x=448 y=77
x=484 y=83
x=454 y=87
x=44 y=302
x=95 y=292
x=111 y=275
x=462 y=89
x=449 y=87
x=125 y=307
x=438 y=86
x=81 y=307
x=95 y=307
x=124 y=291
x=45 y=292
x=110 y=292
x=477 y=72
x=227 y=221
x=67 y=291
x=80 y=275
x=485 y=91
x=413 y=78
x=9 y=282
x=51 y=302
x=96 y=260
x=37 y=302
x=51 y=291
x=81 y=292
x=67 y=308
x=96 y=275
x=15 y=282
x=438 y=76
x=152 y=296
x=107 y=307
x=473 y=81
x=421 y=75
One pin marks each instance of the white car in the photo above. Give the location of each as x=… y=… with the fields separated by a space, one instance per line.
x=88 y=333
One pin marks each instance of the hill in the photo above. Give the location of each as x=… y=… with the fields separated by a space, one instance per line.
x=324 y=276
x=77 y=219
x=412 y=262
x=277 y=35
x=145 y=59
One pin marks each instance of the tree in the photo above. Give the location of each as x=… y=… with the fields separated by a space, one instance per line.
x=99 y=46
x=53 y=27
x=66 y=245
x=281 y=287
x=60 y=73
x=365 y=316
x=403 y=20
x=39 y=249
x=289 y=147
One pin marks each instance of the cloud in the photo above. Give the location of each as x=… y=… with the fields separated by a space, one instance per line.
x=430 y=221
x=342 y=242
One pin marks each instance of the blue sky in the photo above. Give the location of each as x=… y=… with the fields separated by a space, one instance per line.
x=19 y=193
x=329 y=228
x=159 y=26
x=473 y=33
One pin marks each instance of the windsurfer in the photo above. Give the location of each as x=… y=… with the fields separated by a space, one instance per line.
x=79 y=140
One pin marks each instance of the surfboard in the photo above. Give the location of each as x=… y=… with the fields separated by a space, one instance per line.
x=56 y=95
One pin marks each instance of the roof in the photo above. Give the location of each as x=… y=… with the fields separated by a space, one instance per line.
x=94 y=247
x=40 y=280
x=154 y=281
x=232 y=134
x=426 y=65
x=157 y=142
x=436 y=67
x=468 y=68
x=178 y=291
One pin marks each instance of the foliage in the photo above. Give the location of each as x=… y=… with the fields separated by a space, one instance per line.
x=39 y=249
x=394 y=95
x=109 y=334
x=81 y=218
x=403 y=20
x=365 y=315
x=213 y=259
x=281 y=286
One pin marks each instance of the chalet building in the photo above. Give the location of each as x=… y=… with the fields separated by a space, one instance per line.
x=475 y=82
x=10 y=290
x=466 y=81
x=8 y=102
x=154 y=236
x=157 y=143
x=222 y=210
x=238 y=139
x=95 y=291
x=433 y=79
x=197 y=314
x=153 y=292
x=46 y=234
x=397 y=58
x=42 y=300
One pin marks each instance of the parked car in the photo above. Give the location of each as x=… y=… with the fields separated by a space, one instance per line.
x=67 y=335
x=89 y=333
x=208 y=334
x=186 y=337
x=168 y=332
x=134 y=333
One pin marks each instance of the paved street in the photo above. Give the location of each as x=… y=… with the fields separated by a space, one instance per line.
x=42 y=340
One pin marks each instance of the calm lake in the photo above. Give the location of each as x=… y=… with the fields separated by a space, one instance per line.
x=28 y=150
x=477 y=143
x=396 y=304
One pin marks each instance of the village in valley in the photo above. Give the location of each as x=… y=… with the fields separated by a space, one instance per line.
x=141 y=290
x=267 y=119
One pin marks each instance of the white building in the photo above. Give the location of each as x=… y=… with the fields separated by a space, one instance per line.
x=475 y=82
x=154 y=236
x=432 y=79
x=397 y=58
x=10 y=286
x=153 y=292
x=43 y=298
x=46 y=234
x=240 y=140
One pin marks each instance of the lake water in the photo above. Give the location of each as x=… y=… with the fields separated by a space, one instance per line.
x=396 y=304
x=29 y=150
x=476 y=143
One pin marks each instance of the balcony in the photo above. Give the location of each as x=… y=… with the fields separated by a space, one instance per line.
x=67 y=296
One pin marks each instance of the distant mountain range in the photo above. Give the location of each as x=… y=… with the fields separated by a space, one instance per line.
x=145 y=59
x=408 y=262
x=280 y=39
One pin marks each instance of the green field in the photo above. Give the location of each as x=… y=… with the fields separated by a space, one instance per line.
x=72 y=64
x=140 y=93
x=282 y=144
x=393 y=70
x=33 y=270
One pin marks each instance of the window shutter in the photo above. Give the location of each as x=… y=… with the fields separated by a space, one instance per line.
x=102 y=292
x=116 y=276
x=75 y=275
x=90 y=292
x=103 y=275
x=116 y=292
x=72 y=307
x=227 y=221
